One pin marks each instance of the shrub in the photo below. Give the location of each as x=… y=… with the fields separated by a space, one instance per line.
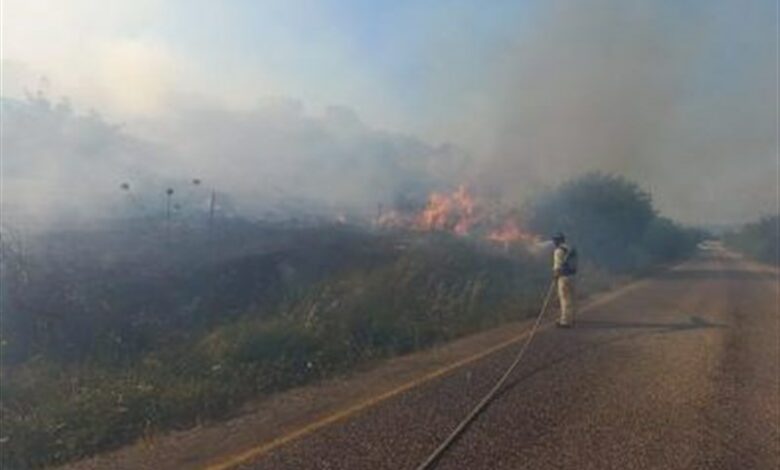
x=612 y=222
x=759 y=240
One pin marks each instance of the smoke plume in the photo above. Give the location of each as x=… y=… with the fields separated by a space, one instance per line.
x=679 y=96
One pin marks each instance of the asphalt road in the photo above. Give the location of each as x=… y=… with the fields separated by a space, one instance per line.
x=680 y=372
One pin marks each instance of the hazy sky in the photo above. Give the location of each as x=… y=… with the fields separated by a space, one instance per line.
x=679 y=95
x=383 y=58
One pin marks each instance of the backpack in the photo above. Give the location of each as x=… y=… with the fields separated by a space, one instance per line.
x=569 y=267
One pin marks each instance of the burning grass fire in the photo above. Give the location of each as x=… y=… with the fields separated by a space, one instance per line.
x=459 y=213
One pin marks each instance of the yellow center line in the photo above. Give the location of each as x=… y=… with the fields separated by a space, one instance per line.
x=265 y=448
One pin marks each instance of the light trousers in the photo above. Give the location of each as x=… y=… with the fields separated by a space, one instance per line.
x=566 y=298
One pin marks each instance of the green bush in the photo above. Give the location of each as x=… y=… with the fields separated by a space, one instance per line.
x=612 y=222
x=760 y=240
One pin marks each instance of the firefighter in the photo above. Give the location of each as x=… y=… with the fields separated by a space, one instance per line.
x=564 y=271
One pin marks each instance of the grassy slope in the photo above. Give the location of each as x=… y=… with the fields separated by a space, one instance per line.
x=143 y=348
x=157 y=349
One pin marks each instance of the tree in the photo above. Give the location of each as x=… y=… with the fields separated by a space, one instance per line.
x=611 y=220
x=759 y=240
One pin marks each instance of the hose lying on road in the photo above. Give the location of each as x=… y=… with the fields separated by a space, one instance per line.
x=436 y=454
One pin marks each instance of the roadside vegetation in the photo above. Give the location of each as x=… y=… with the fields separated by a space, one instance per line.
x=613 y=223
x=759 y=240
x=118 y=334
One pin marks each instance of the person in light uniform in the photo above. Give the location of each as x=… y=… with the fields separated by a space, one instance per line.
x=564 y=272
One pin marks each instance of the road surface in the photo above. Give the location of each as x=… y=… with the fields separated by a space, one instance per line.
x=679 y=371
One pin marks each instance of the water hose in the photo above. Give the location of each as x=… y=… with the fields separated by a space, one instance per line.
x=436 y=454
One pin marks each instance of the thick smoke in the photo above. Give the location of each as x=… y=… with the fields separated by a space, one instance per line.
x=59 y=166
x=679 y=96
x=64 y=167
x=276 y=152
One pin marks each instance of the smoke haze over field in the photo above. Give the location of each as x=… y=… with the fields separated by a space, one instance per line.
x=61 y=165
x=341 y=105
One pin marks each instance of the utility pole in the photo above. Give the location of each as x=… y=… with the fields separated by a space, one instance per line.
x=212 y=205
x=168 y=194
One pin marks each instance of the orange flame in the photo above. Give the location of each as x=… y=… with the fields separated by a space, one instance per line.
x=456 y=212
x=510 y=232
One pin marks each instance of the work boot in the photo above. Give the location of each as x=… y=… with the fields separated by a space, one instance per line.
x=560 y=324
